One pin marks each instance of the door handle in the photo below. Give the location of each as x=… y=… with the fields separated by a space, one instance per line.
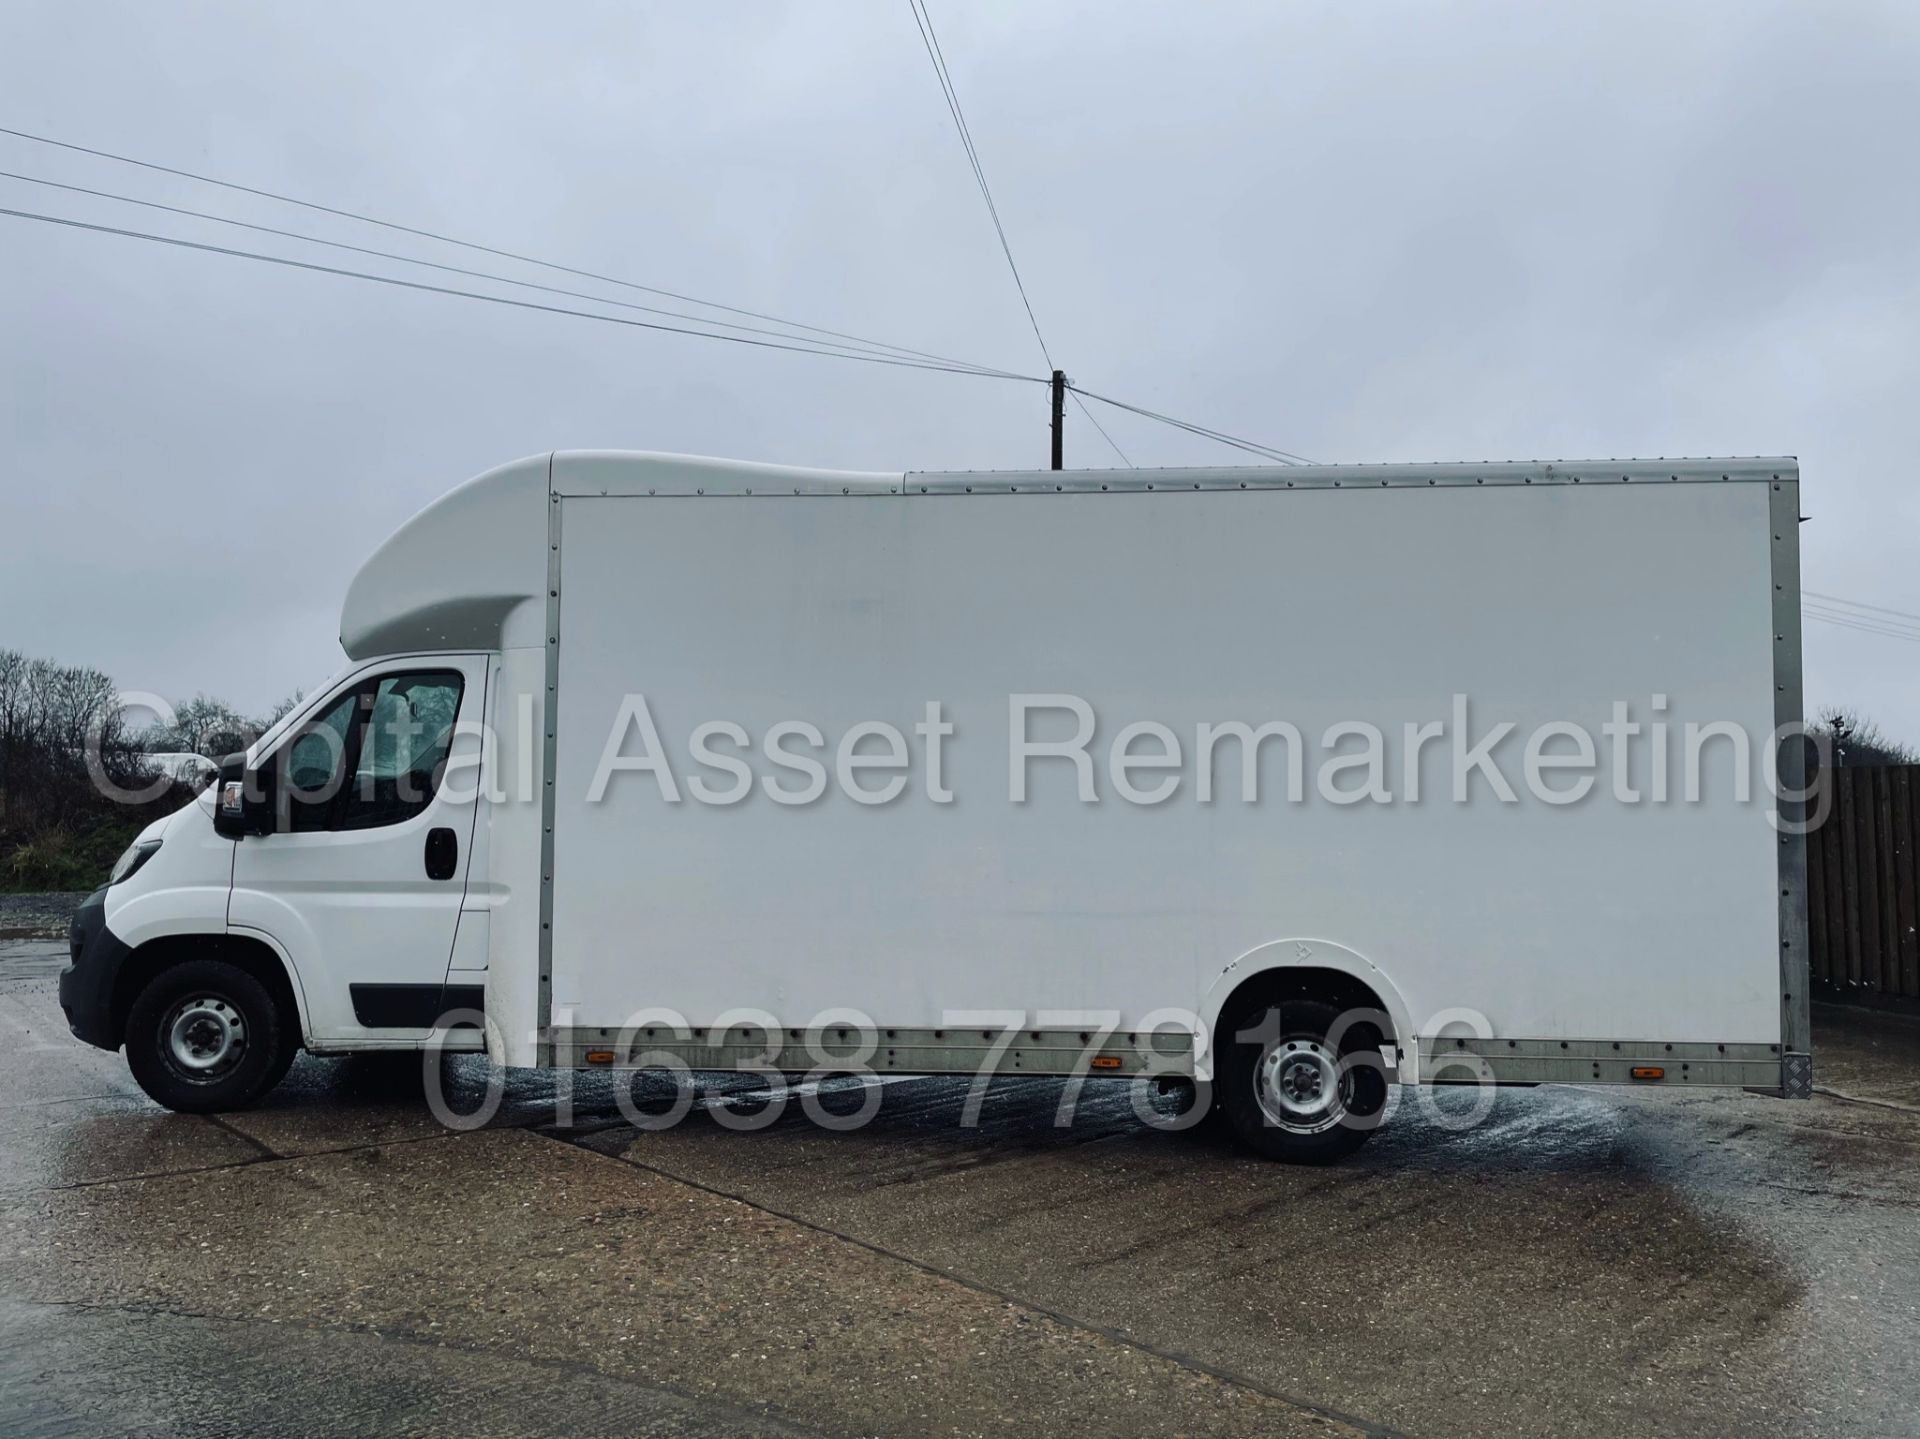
x=443 y=853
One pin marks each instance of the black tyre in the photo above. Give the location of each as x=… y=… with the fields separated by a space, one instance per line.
x=206 y=1036
x=1297 y=1085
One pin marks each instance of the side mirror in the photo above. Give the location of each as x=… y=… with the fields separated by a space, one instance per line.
x=243 y=799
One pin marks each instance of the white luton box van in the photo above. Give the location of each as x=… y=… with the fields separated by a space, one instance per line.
x=1291 y=784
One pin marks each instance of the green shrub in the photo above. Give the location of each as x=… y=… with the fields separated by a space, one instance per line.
x=60 y=859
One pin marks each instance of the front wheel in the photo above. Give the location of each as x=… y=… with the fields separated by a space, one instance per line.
x=1298 y=1085
x=206 y=1036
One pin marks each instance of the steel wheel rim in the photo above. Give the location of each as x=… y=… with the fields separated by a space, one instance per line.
x=1300 y=1087
x=204 y=1037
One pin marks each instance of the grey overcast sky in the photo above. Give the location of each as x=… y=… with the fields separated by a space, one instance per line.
x=1358 y=232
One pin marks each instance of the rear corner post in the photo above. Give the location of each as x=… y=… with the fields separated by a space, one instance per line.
x=545 y=1047
x=1791 y=796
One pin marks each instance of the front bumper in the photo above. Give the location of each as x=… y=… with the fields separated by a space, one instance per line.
x=87 y=984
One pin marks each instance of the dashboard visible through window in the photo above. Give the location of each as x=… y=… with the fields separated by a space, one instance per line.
x=373 y=757
x=403 y=749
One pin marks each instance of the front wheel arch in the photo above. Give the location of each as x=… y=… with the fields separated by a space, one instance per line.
x=254 y=956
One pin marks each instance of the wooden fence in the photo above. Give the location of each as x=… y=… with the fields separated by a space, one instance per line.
x=1863 y=888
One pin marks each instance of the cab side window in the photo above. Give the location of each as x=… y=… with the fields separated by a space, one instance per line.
x=402 y=749
x=314 y=765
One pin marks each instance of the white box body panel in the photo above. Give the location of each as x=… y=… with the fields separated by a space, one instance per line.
x=1321 y=606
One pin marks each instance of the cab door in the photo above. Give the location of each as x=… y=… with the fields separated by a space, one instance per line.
x=361 y=882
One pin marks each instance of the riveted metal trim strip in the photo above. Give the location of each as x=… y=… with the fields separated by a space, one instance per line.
x=1783 y=514
x=898 y=1049
x=1451 y=1060
x=1492 y=475
x=549 y=749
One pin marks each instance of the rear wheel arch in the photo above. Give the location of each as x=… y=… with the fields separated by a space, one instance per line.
x=1309 y=969
x=255 y=956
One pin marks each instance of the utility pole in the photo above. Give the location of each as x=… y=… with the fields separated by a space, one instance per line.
x=1059 y=415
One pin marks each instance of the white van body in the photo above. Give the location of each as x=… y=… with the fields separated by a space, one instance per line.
x=593 y=609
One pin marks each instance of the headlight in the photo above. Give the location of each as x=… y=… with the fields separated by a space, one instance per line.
x=136 y=855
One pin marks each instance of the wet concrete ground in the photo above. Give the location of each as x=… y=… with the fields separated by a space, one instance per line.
x=333 y=1261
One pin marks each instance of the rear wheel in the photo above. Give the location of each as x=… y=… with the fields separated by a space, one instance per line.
x=206 y=1036
x=1296 y=1085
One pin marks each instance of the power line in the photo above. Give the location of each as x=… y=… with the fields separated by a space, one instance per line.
x=935 y=361
x=1850 y=620
x=455 y=269
x=1844 y=621
x=1885 y=634
x=1860 y=605
x=1267 y=451
x=1101 y=428
x=1859 y=615
x=1810 y=606
x=923 y=20
x=812 y=347
x=1264 y=451
x=474 y=245
x=934 y=53
x=800 y=349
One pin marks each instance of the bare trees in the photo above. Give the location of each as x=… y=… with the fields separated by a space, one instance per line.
x=49 y=713
x=1856 y=739
x=211 y=727
x=61 y=734
x=76 y=780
